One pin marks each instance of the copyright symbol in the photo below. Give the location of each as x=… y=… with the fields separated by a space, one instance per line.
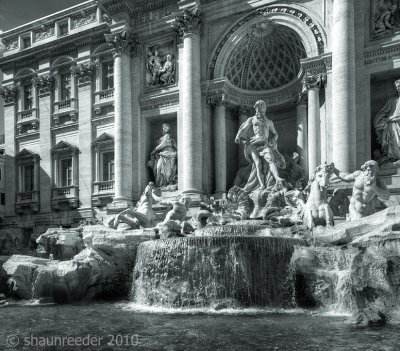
x=12 y=340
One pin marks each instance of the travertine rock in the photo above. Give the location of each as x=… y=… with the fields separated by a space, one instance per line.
x=63 y=244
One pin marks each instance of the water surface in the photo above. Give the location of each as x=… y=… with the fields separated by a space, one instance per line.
x=220 y=330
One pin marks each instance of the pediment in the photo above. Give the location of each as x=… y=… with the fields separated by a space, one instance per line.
x=63 y=146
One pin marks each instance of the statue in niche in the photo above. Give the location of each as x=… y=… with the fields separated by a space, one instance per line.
x=383 y=17
x=260 y=149
x=163 y=159
x=160 y=67
x=387 y=126
x=367 y=187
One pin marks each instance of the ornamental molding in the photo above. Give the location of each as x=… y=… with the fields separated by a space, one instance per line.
x=188 y=21
x=84 y=18
x=83 y=72
x=23 y=138
x=150 y=102
x=316 y=81
x=381 y=54
x=268 y=11
x=221 y=90
x=43 y=33
x=43 y=83
x=9 y=94
x=123 y=42
x=317 y=65
x=103 y=120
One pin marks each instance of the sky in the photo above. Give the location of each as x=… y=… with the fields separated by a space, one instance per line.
x=14 y=13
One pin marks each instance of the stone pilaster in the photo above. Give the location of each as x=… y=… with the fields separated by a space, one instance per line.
x=302 y=132
x=9 y=95
x=84 y=74
x=220 y=166
x=124 y=45
x=313 y=84
x=343 y=86
x=188 y=26
x=43 y=85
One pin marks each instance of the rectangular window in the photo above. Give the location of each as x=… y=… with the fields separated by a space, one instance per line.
x=108 y=166
x=65 y=86
x=28 y=178
x=3 y=199
x=66 y=172
x=108 y=75
x=63 y=29
x=26 y=42
x=28 y=98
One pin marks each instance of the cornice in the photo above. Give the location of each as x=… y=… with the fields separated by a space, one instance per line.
x=150 y=102
x=57 y=47
x=379 y=54
x=221 y=90
x=133 y=7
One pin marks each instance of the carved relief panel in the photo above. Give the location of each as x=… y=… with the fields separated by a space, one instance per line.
x=385 y=17
x=160 y=65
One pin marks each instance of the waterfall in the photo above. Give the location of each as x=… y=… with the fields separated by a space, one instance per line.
x=323 y=277
x=214 y=271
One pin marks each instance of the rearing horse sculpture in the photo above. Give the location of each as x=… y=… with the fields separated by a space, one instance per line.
x=317 y=210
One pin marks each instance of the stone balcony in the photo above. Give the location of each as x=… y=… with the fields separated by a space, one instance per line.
x=103 y=192
x=66 y=196
x=27 y=120
x=27 y=200
x=65 y=111
x=103 y=98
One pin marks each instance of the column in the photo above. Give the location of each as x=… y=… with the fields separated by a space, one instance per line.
x=123 y=43
x=302 y=133
x=343 y=86
x=189 y=24
x=44 y=84
x=312 y=84
x=220 y=149
x=84 y=79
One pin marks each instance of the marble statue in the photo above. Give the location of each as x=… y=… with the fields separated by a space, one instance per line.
x=241 y=202
x=316 y=210
x=295 y=172
x=142 y=215
x=367 y=187
x=167 y=72
x=175 y=222
x=154 y=65
x=276 y=200
x=163 y=159
x=387 y=126
x=260 y=148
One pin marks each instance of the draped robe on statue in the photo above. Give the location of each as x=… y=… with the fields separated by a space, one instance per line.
x=269 y=152
x=389 y=132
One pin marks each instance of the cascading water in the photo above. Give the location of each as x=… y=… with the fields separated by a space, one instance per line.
x=214 y=271
x=325 y=274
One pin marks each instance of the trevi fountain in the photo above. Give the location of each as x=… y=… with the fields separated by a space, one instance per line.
x=300 y=252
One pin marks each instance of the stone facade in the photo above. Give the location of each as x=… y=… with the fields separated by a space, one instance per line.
x=86 y=91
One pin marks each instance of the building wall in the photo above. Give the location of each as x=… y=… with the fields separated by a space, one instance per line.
x=90 y=121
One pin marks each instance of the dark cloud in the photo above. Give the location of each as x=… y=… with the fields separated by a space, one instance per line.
x=14 y=13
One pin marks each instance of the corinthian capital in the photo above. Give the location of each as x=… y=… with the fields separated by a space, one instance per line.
x=9 y=94
x=124 y=42
x=313 y=81
x=83 y=71
x=188 y=21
